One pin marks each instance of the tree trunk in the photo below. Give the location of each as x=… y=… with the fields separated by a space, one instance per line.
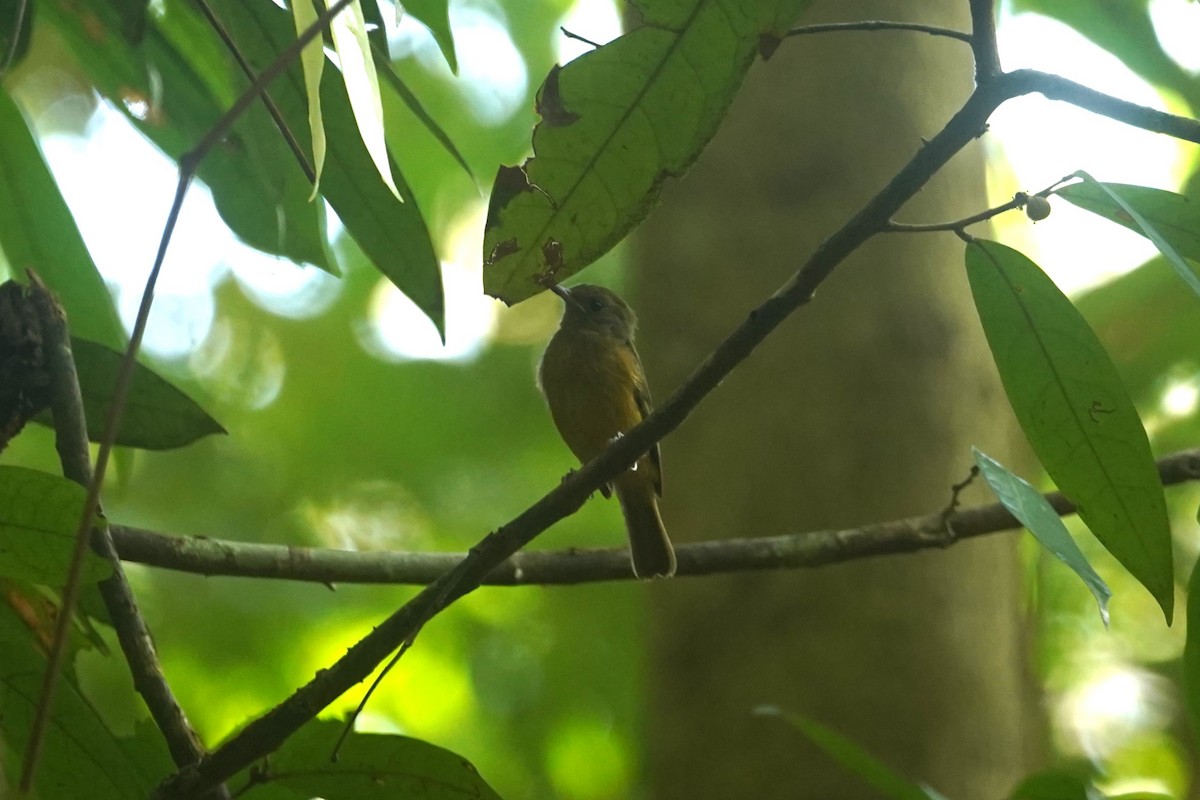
x=862 y=408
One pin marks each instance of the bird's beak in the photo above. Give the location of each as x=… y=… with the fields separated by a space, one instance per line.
x=565 y=294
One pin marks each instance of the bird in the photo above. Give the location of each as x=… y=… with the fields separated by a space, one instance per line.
x=595 y=387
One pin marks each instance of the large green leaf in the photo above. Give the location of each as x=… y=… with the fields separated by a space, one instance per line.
x=38 y=231
x=875 y=773
x=178 y=92
x=616 y=123
x=157 y=415
x=39 y=513
x=371 y=766
x=82 y=755
x=1032 y=509
x=392 y=234
x=1075 y=411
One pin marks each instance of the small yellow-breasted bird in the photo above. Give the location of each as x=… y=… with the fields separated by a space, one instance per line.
x=594 y=384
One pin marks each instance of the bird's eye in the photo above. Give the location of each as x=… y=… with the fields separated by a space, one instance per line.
x=596 y=306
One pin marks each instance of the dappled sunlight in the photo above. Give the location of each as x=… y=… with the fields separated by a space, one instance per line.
x=397 y=330
x=295 y=291
x=1040 y=141
x=1177 y=26
x=492 y=77
x=241 y=363
x=370 y=515
x=587 y=760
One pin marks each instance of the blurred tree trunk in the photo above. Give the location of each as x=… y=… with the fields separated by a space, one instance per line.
x=863 y=408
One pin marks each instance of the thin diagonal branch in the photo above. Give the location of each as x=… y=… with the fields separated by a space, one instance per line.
x=876 y=25
x=71 y=441
x=217 y=557
x=248 y=71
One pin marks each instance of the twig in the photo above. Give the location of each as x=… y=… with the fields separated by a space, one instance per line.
x=71 y=442
x=266 y=733
x=1020 y=199
x=577 y=37
x=878 y=25
x=248 y=71
x=217 y=557
x=984 y=44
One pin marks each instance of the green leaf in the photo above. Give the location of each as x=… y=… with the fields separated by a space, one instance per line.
x=392 y=234
x=82 y=755
x=435 y=15
x=874 y=772
x=1075 y=411
x=1032 y=509
x=157 y=415
x=372 y=766
x=38 y=231
x=38 y=516
x=9 y=11
x=1169 y=220
x=258 y=189
x=1054 y=785
x=615 y=124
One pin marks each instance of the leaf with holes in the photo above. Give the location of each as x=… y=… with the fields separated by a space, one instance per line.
x=1075 y=411
x=615 y=124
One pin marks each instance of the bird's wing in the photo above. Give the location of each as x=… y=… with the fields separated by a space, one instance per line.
x=641 y=396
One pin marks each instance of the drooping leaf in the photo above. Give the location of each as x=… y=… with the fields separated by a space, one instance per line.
x=1169 y=220
x=172 y=98
x=372 y=766
x=615 y=124
x=157 y=415
x=393 y=235
x=1075 y=411
x=875 y=773
x=1034 y=512
x=82 y=756
x=38 y=516
x=312 y=60
x=38 y=231
x=435 y=15
x=349 y=30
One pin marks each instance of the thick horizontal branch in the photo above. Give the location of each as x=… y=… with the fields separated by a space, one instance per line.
x=791 y=551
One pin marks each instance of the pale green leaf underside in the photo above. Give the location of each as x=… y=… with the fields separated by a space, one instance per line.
x=1075 y=411
x=1033 y=511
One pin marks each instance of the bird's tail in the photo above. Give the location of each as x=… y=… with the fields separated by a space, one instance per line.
x=649 y=546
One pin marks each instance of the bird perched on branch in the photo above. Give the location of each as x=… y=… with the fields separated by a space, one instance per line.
x=593 y=382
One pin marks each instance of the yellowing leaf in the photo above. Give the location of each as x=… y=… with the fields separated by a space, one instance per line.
x=349 y=30
x=312 y=59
